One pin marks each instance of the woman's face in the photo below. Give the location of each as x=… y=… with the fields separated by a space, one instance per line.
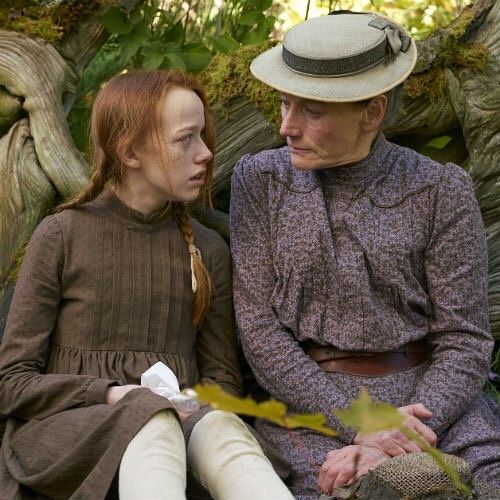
x=323 y=134
x=173 y=163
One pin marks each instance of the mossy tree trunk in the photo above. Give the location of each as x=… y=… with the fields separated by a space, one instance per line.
x=454 y=91
x=39 y=162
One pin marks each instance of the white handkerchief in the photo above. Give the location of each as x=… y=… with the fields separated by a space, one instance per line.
x=162 y=381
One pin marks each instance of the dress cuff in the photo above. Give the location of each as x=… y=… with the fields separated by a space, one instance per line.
x=97 y=390
x=347 y=435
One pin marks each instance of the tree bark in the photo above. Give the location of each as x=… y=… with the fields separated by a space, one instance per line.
x=39 y=161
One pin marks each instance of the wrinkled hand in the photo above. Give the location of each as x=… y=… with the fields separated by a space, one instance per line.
x=116 y=392
x=393 y=442
x=416 y=413
x=344 y=466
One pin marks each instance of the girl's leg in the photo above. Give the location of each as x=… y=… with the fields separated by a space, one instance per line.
x=154 y=463
x=227 y=460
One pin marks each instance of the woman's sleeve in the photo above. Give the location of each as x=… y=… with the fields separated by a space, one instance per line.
x=216 y=342
x=456 y=268
x=279 y=363
x=26 y=392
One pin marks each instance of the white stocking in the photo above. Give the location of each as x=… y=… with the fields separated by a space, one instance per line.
x=228 y=461
x=153 y=466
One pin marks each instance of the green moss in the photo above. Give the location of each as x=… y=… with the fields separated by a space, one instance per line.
x=52 y=23
x=229 y=76
x=14 y=273
x=468 y=55
x=451 y=53
x=431 y=84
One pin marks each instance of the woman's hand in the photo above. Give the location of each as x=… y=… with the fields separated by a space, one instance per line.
x=393 y=442
x=344 y=466
x=416 y=413
x=116 y=392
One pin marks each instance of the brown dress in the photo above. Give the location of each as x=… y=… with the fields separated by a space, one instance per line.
x=103 y=294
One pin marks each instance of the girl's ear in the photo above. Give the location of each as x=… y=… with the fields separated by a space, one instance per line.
x=374 y=113
x=129 y=158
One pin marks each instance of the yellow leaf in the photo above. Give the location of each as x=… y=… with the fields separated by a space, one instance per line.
x=367 y=416
x=272 y=410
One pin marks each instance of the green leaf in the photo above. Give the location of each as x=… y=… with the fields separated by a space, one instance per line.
x=175 y=34
x=136 y=16
x=154 y=48
x=132 y=42
x=196 y=56
x=271 y=410
x=367 y=416
x=260 y=5
x=225 y=43
x=175 y=61
x=152 y=59
x=256 y=36
x=269 y=22
x=115 y=21
x=439 y=142
x=251 y=17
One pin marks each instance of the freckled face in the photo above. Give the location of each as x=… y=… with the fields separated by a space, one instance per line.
x=174 y=163
x=322 y=134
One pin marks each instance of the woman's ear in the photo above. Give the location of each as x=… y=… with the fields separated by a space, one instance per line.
x=374 y=113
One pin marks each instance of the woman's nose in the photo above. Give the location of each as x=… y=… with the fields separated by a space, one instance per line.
x=289 y=124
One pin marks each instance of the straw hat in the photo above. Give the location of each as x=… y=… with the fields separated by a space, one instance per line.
x=345 y=57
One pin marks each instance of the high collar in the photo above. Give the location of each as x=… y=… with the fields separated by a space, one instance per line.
x=304 y=181
x=360 y=172
x=109 y=202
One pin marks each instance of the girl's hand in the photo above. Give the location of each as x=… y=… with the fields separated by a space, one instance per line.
x=116 y=392
x=183 y=415
x=344 y=466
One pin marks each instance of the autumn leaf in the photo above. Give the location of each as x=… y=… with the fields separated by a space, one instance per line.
x=271 y=410
x=367 y=416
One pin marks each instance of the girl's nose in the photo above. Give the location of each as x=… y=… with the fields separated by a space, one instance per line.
x=204 y=155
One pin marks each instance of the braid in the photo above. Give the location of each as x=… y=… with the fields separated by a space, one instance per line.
x=201 y=282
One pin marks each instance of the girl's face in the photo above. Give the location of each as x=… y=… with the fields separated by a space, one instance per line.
x=171 y=165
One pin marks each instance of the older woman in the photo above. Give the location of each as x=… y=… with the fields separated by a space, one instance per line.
x=359 y=262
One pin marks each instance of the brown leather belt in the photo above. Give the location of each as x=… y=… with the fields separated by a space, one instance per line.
x=368 y=364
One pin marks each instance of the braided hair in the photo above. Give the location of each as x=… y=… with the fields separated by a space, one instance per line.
x=122 y=116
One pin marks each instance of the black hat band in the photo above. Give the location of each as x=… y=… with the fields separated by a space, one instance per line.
x=383 y=51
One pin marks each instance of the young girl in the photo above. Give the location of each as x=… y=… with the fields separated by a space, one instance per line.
x=119 y=279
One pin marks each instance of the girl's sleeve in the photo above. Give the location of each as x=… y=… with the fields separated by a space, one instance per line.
x=278 y=362
x=216 y=342
x=456 y=268
x=26 y=391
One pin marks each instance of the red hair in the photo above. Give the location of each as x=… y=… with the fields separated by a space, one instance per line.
x=126 y=111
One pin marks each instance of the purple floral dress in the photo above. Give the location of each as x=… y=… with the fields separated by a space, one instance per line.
x=365 y=257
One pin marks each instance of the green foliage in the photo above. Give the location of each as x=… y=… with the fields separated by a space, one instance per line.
x=14 y=273
x=271 y=410
x=177 y=34
x=51 y=22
